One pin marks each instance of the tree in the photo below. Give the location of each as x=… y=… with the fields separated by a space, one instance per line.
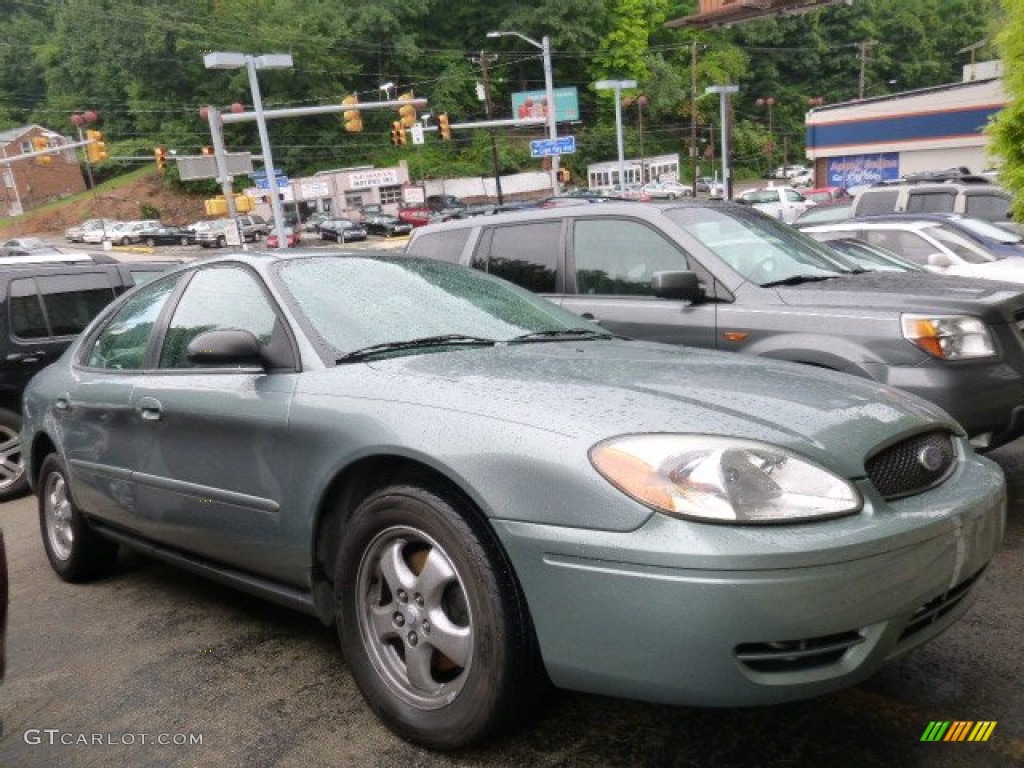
x=1007 y=130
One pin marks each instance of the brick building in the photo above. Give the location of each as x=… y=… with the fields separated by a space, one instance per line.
x=30 y=182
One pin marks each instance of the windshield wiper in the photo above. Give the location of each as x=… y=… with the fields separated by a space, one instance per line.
x=577 y=334
x=799 y=280
x=446 y=340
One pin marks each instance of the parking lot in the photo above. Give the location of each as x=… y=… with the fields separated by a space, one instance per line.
x=155 y=667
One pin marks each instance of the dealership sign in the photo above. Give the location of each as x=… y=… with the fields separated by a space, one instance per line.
x=862 y=170
x=378 y=177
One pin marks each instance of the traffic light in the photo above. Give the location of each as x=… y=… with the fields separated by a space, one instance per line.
x=96 y=152
x=41 y=144
x=243 y=203
x=407 y=112
x=443 y=127
x=353 y=117
x=397 y=133
x=161 y=158
x=207 y=151
x=564 y=176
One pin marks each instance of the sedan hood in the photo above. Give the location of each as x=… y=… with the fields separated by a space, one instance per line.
x=596 y=389
x=996 y=300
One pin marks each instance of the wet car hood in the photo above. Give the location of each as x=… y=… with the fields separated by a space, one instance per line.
x=912 y=292
x=597 y=389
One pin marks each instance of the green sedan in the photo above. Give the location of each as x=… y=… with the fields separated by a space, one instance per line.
x=486 y=494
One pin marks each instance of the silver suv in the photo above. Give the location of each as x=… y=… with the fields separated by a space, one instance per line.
x=976 y=200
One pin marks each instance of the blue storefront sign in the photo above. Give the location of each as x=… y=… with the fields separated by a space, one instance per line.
x=861 y=170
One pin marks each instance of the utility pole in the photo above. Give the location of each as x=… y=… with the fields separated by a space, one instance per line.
x=864 y=47
x=484 y=59
x=693 y=114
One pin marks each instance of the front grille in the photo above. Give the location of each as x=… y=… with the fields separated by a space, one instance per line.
x=912 y=465
x=797 y=655
x=933 y=610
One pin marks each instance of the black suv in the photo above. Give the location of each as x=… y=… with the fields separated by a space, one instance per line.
x=42 y=308
x=725 y=276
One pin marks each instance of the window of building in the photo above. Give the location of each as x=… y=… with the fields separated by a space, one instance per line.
x=390 y=195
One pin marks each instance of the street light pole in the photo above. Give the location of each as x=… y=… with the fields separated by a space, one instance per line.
x=724 y=91
x=617 y=86
x=220 y=60
x=549 y=90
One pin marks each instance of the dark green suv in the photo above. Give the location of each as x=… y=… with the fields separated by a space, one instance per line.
x=43 y=306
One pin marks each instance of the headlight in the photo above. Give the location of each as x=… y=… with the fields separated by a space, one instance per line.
x=722 y=479
x=948 y=337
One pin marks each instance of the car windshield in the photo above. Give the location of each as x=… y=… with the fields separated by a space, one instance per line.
x=983 y=228
x=763 y=250
x=354 y=303
x=962 y=246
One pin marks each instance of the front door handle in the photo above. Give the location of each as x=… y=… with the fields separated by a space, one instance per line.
x=591 y=317
x=62 y=403
x=149 y=408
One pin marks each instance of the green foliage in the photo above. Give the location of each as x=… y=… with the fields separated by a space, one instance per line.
x=139 y=65
x=1007 y=130
x=149 y=211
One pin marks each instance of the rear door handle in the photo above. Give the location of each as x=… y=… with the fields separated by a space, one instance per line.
x=149 y=408
x=591 y=317
x=62 y=403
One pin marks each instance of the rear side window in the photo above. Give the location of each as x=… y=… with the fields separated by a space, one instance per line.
x=931 y=201
x=446 y=245
x=57 y=305
x=524 y=254
x=988 y=207
x=909 y=245
x=877 y=201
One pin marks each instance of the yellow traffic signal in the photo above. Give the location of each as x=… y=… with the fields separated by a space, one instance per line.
x=564 y=176
x=41 y=144
x=243 y=203
x=161 y=158
x=443 y=127
x=96 y=152
x=216 y=206
x=397 y=133
x=407 y=112
x=353 y=117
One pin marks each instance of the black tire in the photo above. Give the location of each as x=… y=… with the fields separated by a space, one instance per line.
x=221 y=241
x=459 y=592
x=13 y=480
x=76 y=552
x=184 y=241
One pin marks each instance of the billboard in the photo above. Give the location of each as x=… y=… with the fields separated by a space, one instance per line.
x=862 y=170
x=535 y=104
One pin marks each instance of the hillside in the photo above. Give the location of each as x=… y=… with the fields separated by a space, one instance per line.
x=120 y=201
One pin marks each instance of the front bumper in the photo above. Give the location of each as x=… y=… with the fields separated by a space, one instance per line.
x=612 y=618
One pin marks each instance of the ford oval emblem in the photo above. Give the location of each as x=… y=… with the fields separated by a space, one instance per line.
x=930 y=458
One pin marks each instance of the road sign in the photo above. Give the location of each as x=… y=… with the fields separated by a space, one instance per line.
x=417 y=134
x=563 y=145
x=259 y=178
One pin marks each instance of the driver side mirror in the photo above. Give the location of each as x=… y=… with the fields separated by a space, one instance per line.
x=226 y=347
x=940 y=260
x=679 y=285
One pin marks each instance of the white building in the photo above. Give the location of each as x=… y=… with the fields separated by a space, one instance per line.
x=868 y=140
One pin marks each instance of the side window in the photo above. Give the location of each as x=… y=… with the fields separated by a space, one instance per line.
x=989 y=207
x=57 y=305
x=217 y=298
x=525 y=254
x=906 y=244
x=880 y=201
x=931 y=202
x=793 y=196
x=619 y=256
x=446 y=245
x=123 y=342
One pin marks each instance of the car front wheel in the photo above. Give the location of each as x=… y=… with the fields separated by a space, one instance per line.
x=13 y=482
x=75 y=551
x=151 y=242
x=431 y=619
